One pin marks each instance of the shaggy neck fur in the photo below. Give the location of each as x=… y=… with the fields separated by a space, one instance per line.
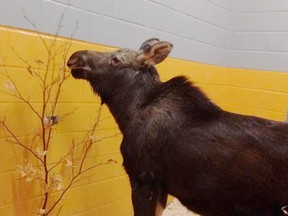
x=124 y=92
x=126 y=95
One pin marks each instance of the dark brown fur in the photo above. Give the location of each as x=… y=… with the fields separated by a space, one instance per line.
x=176 y=141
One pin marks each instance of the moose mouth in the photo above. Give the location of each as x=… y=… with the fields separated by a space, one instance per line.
x=80 y=72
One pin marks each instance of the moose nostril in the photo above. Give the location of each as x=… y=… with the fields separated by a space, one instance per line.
x=72 y=61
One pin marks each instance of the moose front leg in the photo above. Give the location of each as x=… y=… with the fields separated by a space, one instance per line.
x=148 y=200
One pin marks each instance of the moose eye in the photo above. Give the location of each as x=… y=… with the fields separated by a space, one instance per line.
x=114 y=61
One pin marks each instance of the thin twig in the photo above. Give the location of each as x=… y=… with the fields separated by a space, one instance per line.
x=52 y=84
x=72 y=181
x=29 y=67
x=17 y=141
x=21 y=97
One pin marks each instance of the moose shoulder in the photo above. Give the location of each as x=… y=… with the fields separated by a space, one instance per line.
x=176 y=141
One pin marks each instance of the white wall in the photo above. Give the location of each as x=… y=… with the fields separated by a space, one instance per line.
x=235 y=33
x=199 y=29
x=260 y=35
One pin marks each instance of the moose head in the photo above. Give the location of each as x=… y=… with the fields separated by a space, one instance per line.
x=88 y=64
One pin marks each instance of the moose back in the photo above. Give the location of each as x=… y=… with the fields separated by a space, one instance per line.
x=176 y=141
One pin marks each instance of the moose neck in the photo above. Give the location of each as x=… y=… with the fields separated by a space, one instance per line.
x=124 y=95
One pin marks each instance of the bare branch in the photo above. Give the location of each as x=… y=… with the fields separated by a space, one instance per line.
x=68 y=114
x=58 y=213
x=36 y=30
x=61 y=159
x=72 y=181
x=51 y=80
x=21 y=97
x=17 y=141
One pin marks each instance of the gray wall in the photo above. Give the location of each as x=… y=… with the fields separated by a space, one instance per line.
x=235 y=33
x=260 y=35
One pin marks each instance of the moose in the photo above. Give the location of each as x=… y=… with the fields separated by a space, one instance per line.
x=177 y=141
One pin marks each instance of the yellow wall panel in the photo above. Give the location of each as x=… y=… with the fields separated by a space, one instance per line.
x=256 y=99
x=118 y=208
x=278 y=116
x=96 y=194
x=263 y=80
x=198 y=73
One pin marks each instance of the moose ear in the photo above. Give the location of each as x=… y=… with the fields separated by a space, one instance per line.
x=148 y=43
x=153 y=52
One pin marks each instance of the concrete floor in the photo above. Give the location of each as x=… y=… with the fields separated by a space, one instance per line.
x=175 y=208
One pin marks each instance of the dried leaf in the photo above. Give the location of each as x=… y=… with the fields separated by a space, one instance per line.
x=10 y=86
x=56 y=182
x=51 y=120
x=112 y=161
x=26 y=171
x=38 y=61
x=68 y=163
x=30 y=70
x=46 y=121
x=41 y=153
x=41 y=211
x=29 y=179
x=59 y=187
x=93 y=138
